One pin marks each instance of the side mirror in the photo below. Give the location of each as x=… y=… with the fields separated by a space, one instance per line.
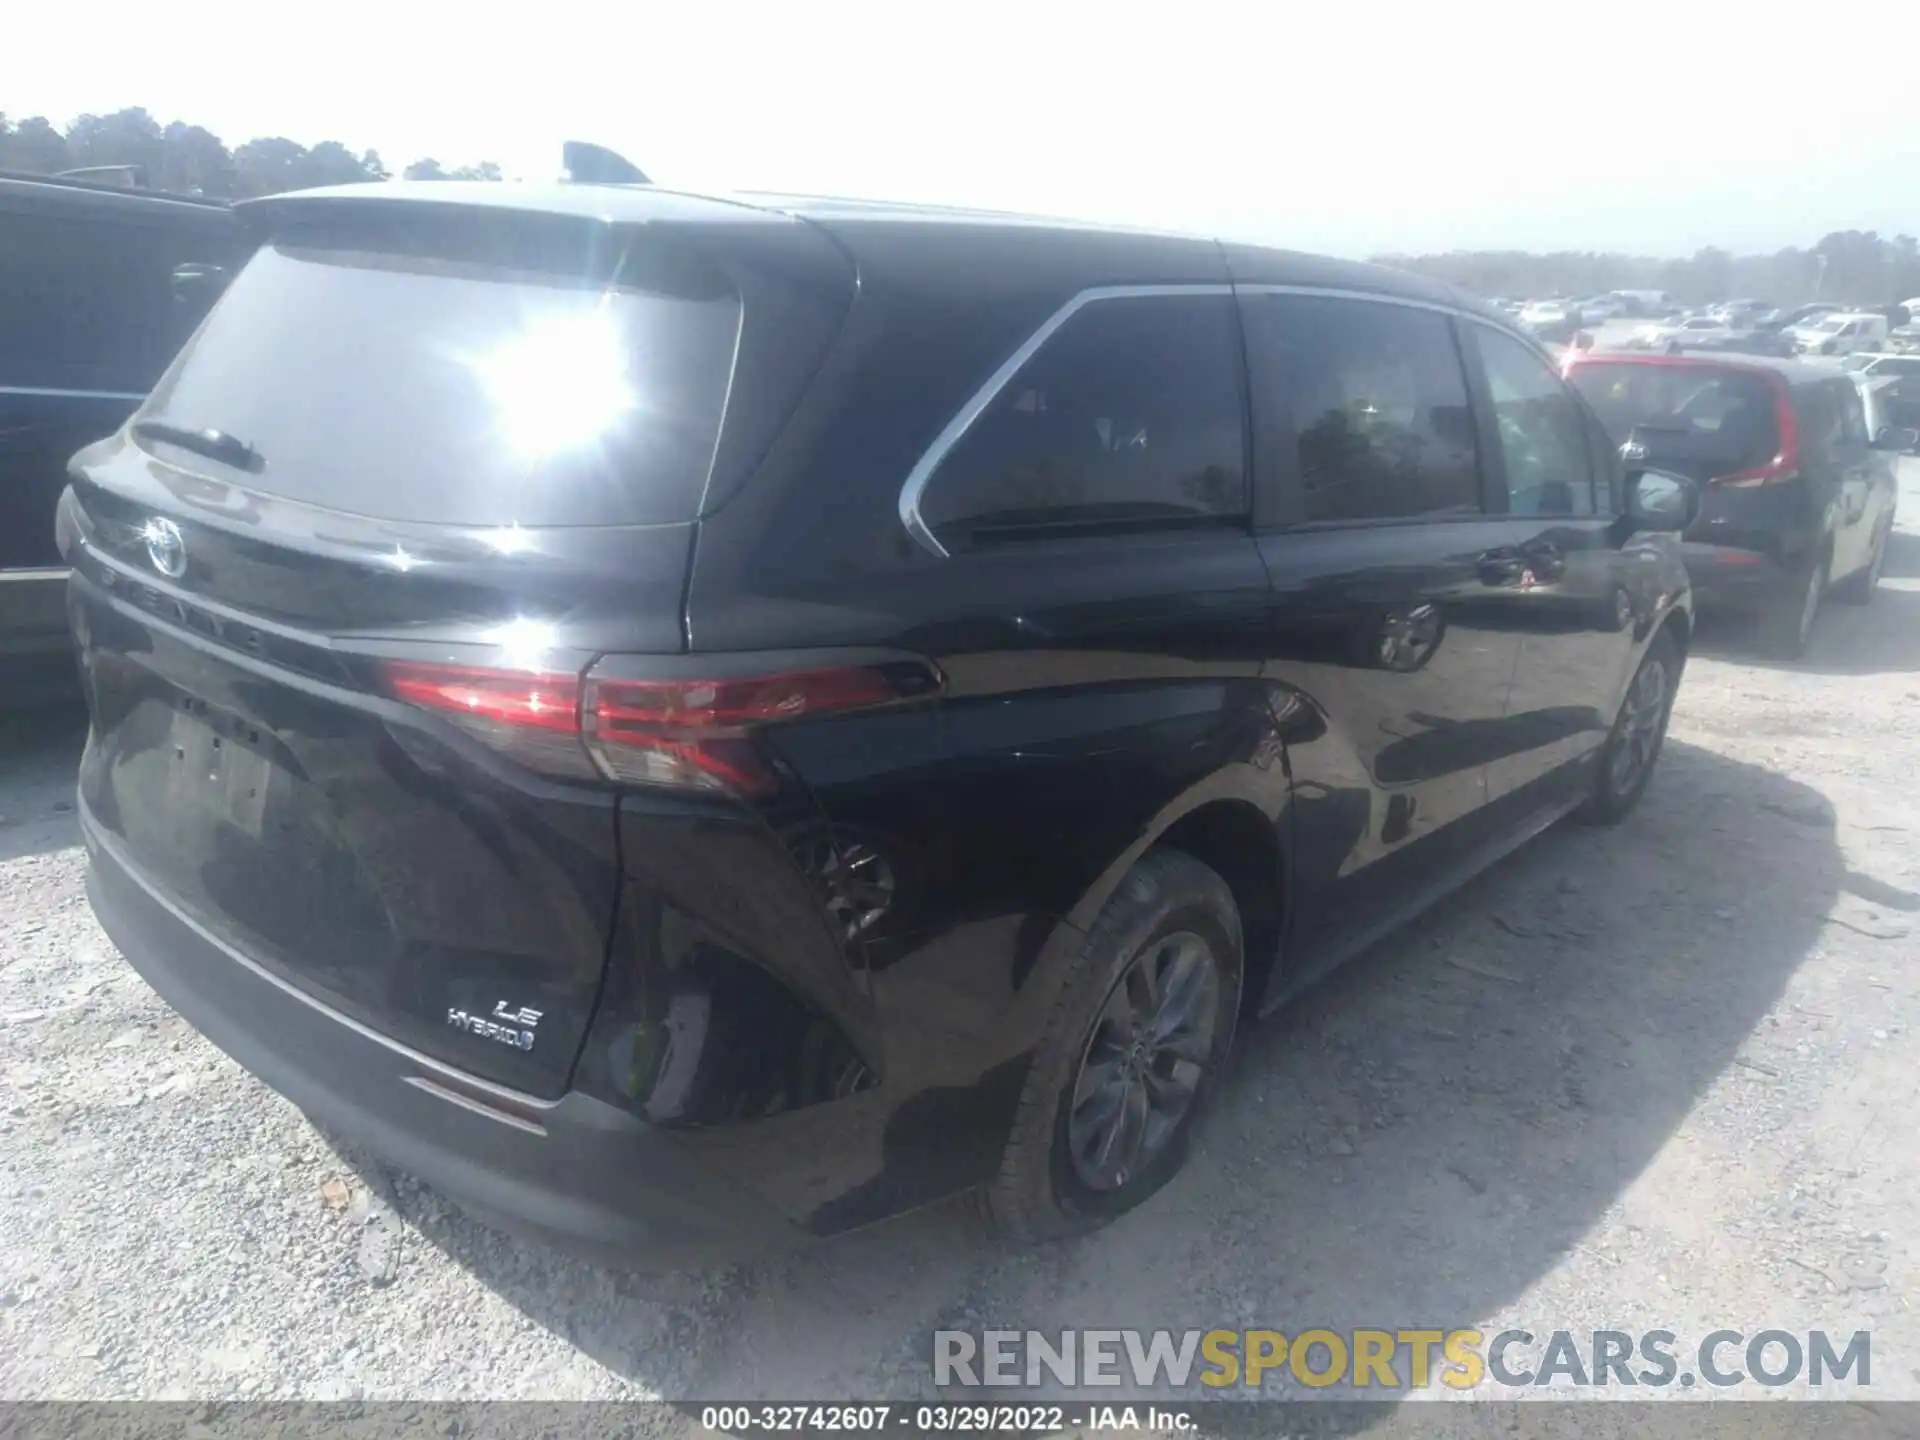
x=1897 y=437
x=1583 y=340
x=1659 y=500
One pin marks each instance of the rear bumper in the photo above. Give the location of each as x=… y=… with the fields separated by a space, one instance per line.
x=576 y=1172
x=1728 y=577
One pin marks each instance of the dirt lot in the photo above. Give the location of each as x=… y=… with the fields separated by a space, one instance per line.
x=1658 y=1077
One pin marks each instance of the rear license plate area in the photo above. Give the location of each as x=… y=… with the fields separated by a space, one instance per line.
x=214 y=769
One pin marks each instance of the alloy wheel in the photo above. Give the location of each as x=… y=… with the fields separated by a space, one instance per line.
x=1641 y=720
x=1810 y=603
x=1879 y=560
x=1144 y=1061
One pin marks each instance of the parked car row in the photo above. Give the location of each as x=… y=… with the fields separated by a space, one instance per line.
x=1743 y=325
x=1551 y=318
x=1812 y=330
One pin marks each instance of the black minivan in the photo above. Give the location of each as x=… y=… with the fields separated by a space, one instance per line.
x=98 y=288
x=683 y=721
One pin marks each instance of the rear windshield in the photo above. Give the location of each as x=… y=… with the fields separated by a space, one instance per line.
x=1718 y=420
x=464 y=376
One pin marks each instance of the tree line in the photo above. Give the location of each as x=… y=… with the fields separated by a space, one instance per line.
x=1851 y=266
x=1855 y=266
x=192 y=160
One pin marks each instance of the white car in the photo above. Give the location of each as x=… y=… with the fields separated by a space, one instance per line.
x=1549 y=312
x=1646 y=302
x=1868 y=362
x=1892 y=402
x=1740 y=314
x=1840 y=334
x=1599 y=308
x=1692 y=330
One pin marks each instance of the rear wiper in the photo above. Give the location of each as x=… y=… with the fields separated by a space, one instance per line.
x=214 y=444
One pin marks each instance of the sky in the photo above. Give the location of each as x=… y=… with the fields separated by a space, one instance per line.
x=1352 y=128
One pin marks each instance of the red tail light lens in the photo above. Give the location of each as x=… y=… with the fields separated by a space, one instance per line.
x=538 y=701
x=532 y=717
x=697 y=732
x=1785 y=465
x=694 y=734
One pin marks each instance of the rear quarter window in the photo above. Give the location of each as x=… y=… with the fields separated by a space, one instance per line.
x=1820 y=421
x=1127 y=417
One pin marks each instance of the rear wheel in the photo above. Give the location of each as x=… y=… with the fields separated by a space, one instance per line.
x=1141 y=1029
x=1786 y=628
x=1858 y=588
x=1639 y=731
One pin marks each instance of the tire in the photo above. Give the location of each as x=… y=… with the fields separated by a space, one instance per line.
x=1169 y=914
x=1858 y=588
x=1787 y=627
x=1639 y=731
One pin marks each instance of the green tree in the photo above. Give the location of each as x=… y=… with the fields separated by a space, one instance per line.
x=33 y=145
x=269 y=165
x=433 y=170
x=1859 y=267
x=331 y=163
x=1906 y=268
x=194 y=162
x=126 y=137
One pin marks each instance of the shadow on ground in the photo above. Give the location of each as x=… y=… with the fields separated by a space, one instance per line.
x=1416 y=1141
x=39 y=757
x=1903 y=556
x=1881 y=638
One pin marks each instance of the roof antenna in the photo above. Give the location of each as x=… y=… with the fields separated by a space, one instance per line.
x=596 y=165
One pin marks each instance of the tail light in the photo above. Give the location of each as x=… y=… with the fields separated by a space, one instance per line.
x=1785 y=465
x=699 y=734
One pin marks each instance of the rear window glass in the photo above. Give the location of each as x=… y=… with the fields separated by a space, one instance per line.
x=1720 y=419
x=466 y=379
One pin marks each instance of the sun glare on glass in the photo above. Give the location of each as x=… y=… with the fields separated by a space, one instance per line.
x=558 y=384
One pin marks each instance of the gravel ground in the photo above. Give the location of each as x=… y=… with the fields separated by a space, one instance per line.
x=1657 y=1077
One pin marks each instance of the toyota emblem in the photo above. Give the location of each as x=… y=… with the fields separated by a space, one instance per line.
x=166 y=547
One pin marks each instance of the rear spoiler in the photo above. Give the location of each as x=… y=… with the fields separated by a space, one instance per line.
x=588 y=164
x=125 y=177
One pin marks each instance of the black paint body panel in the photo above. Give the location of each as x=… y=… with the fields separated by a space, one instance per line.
x=1218 y=687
